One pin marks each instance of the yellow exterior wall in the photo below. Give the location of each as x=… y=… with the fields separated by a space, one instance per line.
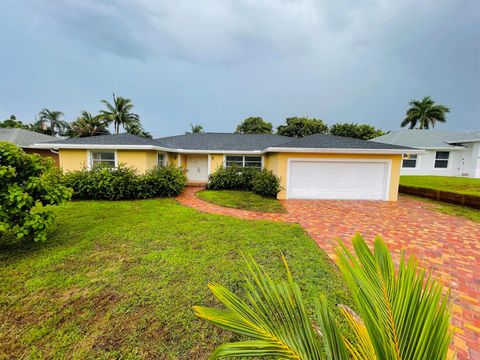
x=172 y=158
x=278 y=163
x=216 y=161
x=71 y=160
x=140 y=160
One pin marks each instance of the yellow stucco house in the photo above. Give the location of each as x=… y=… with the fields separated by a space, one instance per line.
x=318 y=166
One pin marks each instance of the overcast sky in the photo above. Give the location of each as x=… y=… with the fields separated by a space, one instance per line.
x=215 y=63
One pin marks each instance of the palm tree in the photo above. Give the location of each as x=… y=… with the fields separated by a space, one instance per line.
x=425 y=113
x=87 y=125
x=196 y=129
x=50 y=122
x=137 y=129
x=403 y=315
x=119 y=113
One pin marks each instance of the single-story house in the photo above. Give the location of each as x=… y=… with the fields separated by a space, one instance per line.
x=447 y=153
x=313 y=167
x=27 y=139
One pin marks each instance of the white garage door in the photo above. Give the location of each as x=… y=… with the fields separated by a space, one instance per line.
x=323 y=179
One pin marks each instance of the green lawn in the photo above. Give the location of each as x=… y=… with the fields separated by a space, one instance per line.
x=241 y=200
x=118 y=280
x=451 y=209
x=459 y=185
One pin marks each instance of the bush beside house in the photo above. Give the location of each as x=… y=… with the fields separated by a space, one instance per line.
x=262 y=182
x=29 y=188
x=102 y=183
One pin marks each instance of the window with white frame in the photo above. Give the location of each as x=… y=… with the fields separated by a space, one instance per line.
x=161 y=159
x=103 y=158
x=243 y=161
x=409 y=161
x=441 y=159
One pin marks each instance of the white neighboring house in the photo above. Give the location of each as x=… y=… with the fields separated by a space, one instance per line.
x=448 y=153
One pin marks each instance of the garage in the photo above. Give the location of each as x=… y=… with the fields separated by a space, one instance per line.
x=340 y=179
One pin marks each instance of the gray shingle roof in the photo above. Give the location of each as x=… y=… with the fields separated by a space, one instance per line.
x=23 y=138
x=465 y=137
x=325 y=141
x=423 y=139
x=226 y=142
x=222 y=141
x=114 y=139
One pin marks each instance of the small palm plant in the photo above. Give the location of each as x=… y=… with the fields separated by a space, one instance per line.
x=401 y=315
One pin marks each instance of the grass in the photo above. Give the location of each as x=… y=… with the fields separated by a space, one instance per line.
x=459 y=185
x=451 y=209
x=244 y=200
x=118 y=280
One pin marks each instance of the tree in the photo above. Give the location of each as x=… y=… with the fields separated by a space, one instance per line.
x=119 y=113
x=357 y=131
x=137 y=129
x=402 y=315
x=196 y=129
x=302 y=126
x=254 y=125
x=50 y=122
x=87 y=125
x=29 y=188
x=12 y=122
x=425 y=113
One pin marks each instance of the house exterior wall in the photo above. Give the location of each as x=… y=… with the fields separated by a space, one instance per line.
x=216 y=161
x=44 y=153
x=140 y=160
x=461 y=163
x=278 y=163
x=73 y=159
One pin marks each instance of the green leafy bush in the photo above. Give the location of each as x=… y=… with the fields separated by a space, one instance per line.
x=262 y=182
x=103 y=183
x=163 y=181
x=265 y=183
x=29 y=188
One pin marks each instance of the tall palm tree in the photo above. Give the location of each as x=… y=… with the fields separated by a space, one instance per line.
x=402 y=315
x=87 y=125
x=50 y=122
x=425 y=113
x=119 y=113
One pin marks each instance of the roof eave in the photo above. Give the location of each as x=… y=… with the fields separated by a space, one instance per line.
x=346 y=151
x=463 y=141
x=99 y=146
x=186 y=151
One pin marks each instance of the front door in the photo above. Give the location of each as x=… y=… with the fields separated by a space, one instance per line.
x=197 y=167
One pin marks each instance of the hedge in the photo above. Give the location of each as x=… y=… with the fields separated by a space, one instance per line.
x=262 y=182
x=102 y=183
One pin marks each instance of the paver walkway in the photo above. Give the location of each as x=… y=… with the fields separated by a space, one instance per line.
x=448 y=244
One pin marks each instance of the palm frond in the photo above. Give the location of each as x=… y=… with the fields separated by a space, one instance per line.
x=335 y=344
x=274 y=315
x=404 y=314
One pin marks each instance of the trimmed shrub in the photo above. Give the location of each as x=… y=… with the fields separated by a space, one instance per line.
x=163 y=181
x=233 y=177
x=29 y=188
x=262 y=182
x=103 y=183
x=265 y=183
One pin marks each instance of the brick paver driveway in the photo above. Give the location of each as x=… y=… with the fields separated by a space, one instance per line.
x=448 y=244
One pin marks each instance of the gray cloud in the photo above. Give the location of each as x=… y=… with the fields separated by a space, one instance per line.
x=219 y=61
